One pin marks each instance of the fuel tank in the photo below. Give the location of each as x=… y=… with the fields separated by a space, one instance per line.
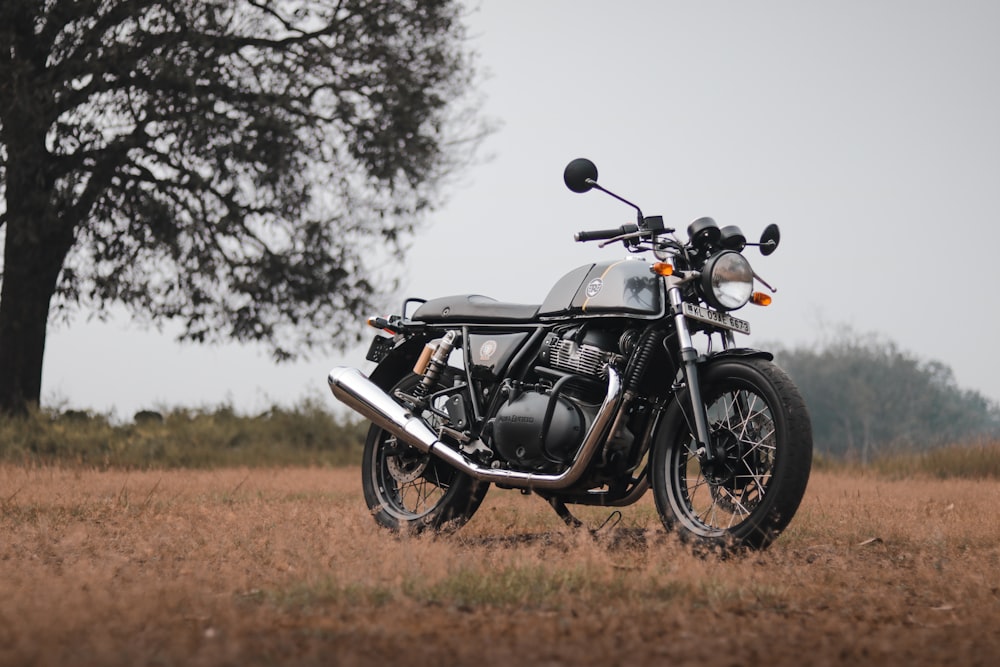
x=625 y=288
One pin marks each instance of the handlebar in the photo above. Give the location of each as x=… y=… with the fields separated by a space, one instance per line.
x=602 y=234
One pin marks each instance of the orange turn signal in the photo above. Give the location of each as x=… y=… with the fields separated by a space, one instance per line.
x=760 y=299
x=662 y=269
x=380 y=323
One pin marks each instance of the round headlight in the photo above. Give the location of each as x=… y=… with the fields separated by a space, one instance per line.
x=727 y=281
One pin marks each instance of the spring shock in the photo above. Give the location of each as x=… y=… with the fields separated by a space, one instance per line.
x=438 y=360
x=643 y=352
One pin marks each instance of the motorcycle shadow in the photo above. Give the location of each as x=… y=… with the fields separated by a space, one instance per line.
x=612 y=538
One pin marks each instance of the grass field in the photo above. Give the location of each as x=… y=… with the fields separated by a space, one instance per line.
x=284 y=566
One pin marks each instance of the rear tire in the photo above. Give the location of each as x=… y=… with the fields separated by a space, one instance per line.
x=407 y=490
x=762 y=444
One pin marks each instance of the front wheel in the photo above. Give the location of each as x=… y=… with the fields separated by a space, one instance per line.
x=745 y=494
x=408 y=490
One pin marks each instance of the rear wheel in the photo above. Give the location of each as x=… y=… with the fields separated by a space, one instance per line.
x=406 y=489
x=745 y=494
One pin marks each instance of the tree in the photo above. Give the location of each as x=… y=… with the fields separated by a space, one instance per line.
x=227 y=164
x=865 y=394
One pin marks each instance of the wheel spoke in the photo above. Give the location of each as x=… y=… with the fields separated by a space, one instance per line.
x=750 y=420
x=758 y=479
x=422 y=494
x=741 y=509
x=727 y=409
x=710 y=510
x=761 y=441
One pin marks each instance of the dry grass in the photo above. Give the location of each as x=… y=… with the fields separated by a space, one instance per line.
x=283 y=566
x=306 y=435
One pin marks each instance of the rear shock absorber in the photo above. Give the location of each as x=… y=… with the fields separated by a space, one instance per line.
x=432 y=360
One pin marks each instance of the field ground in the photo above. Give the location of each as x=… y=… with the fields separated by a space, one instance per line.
x=284 y=566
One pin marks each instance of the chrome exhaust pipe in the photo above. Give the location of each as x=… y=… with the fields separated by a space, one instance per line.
x=353 y=389
x=357 y=392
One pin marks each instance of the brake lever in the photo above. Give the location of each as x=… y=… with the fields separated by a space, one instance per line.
x=623 y=237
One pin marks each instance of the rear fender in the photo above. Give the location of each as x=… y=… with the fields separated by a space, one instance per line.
x=398 y=362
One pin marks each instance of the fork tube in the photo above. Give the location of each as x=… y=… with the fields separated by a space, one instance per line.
x=689 y=357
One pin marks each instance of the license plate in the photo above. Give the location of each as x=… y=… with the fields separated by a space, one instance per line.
x=380 y=349
x=715 y=317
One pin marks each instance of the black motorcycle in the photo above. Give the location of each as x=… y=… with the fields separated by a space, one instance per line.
x=592 y=397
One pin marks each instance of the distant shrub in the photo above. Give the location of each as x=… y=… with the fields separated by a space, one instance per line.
x=968 y=461
x=309 y=435
x=868 y=397
x=147 y=416
x=306 y=434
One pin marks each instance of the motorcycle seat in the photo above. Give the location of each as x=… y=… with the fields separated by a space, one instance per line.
x=474 y=309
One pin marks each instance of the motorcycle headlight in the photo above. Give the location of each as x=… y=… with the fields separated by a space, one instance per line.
x=727 y=281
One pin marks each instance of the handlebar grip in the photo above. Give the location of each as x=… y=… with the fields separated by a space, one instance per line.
x=596 y=235
x=602 y=234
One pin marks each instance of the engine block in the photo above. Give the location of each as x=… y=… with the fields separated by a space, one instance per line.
x=567 y=355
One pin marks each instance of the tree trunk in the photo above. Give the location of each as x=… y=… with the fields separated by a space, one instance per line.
x=37 y=242
x=31 y=269
x=38 y=237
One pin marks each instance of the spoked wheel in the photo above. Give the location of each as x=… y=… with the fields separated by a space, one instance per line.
x=745 y=486
x=408 y=490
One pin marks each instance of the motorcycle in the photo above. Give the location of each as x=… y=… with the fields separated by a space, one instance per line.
x=592 y=397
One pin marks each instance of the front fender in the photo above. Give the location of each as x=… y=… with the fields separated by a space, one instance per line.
x=680 y=404
x=735 y=353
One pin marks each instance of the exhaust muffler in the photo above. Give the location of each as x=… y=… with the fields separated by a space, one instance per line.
x=353 y=389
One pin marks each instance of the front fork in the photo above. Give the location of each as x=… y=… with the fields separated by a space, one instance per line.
x=689 y=358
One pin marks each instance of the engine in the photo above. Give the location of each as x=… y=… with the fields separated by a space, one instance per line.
x=541 y=427
x=521 y=436
x=588 y=357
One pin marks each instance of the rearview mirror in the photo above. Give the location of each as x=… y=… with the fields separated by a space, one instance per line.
x=580 y=175
x=769 y=239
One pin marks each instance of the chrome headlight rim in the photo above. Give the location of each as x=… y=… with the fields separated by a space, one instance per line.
x=727 y=281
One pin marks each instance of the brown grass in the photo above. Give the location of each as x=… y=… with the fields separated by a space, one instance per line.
x=283 y=566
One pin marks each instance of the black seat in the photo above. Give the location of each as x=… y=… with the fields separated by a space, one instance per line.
x=474 y=309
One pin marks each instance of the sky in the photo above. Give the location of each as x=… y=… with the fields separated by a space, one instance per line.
x=866 y=129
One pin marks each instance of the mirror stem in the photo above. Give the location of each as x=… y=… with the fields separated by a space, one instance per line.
x=774 y=290
x=592 y=183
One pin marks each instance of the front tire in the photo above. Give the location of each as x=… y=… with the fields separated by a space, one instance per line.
x=761 y=438
x=407 y=490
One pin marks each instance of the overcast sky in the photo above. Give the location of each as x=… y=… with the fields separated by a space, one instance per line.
x=868 y=130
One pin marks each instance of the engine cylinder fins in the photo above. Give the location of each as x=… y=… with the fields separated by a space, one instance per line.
x=567 y=355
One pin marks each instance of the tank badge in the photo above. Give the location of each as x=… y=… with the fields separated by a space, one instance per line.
x=594 y=287
x=487 y=350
